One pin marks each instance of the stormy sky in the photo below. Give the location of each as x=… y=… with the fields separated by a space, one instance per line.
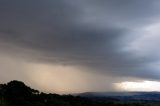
x=68 y=46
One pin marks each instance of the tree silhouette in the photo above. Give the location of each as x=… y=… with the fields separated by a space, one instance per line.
x=16 y=93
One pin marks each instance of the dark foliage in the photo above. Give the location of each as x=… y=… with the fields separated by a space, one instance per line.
x=16 y=93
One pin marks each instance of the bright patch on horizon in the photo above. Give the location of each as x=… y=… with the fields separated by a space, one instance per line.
x=139 y=86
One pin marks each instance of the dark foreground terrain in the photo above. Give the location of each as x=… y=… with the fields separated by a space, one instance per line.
x=16 y=93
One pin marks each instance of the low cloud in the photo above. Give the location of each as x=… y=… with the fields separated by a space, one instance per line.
x=111 y=38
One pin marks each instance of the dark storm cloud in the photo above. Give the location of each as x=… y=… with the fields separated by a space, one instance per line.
x=85 y=32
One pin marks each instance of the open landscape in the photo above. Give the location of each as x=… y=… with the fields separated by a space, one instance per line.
x=79 y=53
x=16 y=93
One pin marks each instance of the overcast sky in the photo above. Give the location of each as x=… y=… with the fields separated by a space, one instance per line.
x=67 y=46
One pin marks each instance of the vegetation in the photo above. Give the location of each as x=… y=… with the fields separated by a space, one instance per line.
x=2 y=102
x=16 y=93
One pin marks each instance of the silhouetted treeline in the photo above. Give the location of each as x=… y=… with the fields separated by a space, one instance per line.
x=16 y=93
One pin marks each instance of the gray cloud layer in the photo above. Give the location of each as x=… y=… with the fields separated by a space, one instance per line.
x=98 y=34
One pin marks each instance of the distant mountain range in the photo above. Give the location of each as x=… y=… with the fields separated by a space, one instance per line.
x=154 y=96
x=16 y=93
